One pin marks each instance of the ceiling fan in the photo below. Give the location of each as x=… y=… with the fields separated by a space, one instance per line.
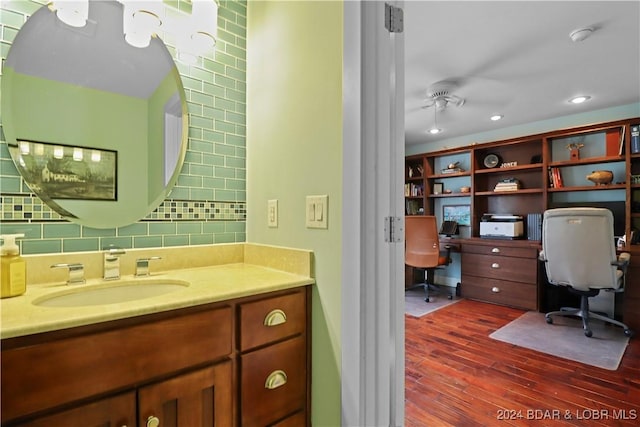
x=440 y=95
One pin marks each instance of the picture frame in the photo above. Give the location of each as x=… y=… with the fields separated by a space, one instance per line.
x=458 y=213
x=438 y=188
x=72 y=172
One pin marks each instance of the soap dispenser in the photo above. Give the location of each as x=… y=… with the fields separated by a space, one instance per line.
x=13 y=268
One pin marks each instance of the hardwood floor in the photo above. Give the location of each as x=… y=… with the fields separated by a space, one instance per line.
x=457 y=376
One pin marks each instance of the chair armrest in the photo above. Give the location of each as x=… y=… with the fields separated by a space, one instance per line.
x=622 y=261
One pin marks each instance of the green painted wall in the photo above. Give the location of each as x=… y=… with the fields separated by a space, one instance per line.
x=294 y=149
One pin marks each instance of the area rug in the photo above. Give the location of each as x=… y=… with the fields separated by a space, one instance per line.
x=565 y=338
x=415 y=305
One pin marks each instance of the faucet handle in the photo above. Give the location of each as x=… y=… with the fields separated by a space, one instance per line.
x=76 y=272
x=142 y=265
x=113 y=250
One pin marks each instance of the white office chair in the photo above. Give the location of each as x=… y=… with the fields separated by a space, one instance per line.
x=579 y=252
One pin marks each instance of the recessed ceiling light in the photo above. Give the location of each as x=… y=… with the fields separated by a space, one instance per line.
x=579 y=99
x=434 y=131
x=496 y=117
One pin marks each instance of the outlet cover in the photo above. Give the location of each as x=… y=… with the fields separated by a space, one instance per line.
x=272 y=213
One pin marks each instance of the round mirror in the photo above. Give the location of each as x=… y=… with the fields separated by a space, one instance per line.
x=97 y=128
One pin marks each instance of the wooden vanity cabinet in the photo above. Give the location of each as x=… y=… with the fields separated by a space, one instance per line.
x=183 y=368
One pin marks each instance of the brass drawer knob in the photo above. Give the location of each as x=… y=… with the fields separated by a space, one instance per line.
x=495 y=265
x=495 y=289
x=153 y=421
x=275 y=379
x=495 y=250
x=275 y=317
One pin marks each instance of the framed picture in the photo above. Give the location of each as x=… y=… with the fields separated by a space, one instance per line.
x=458 y=213
x=438 y=188
x=69 y=172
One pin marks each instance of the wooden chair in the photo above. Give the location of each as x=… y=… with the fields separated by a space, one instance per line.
x=422 y=250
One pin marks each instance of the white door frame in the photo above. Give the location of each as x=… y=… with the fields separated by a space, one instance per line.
x=372 y=268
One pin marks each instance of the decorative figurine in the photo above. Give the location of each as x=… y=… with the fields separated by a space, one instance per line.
x=600 y=177
x=574 y=150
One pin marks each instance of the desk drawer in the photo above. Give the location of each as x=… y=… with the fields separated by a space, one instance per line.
x=500 y=250
x=500 y=267
x=504 y=292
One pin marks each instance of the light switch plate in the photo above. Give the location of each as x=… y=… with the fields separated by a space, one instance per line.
x=317 y=209
x=272 y=213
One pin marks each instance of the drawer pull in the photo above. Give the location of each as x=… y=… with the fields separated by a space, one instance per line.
x=495 y=250
x=153 y=421
x=275 y=379
x=495 y=289
x=275 y=317
x=495 y=265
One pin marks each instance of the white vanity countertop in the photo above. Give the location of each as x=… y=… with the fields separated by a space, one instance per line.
x=20 y=316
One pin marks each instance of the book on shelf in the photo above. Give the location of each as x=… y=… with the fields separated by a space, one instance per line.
x=507 y=184
x=613 y=140
x=635 y=139
x=451 y=170
x=413 y=190
x=555 y=178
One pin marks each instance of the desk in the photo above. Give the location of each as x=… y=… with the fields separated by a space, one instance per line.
x=520 y=278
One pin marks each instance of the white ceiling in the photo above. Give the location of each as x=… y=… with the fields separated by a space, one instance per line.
x=515 y=58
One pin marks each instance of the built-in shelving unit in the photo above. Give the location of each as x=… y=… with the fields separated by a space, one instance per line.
x=530 y=162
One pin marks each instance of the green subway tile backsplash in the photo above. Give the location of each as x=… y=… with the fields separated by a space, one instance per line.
x=208 y=203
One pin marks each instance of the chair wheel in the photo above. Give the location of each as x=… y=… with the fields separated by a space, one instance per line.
x=549 y=320
x=588 y=333
x=450 y=297
x=628 y=332
x=427 y=299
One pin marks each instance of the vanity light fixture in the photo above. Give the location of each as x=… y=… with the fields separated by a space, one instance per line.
x=58 y=152
x=77 y=154
x=141 y=21
x=25 y=148
x=72 y=12
x=95 y=156
x=579 y=99
x=496 y=117
x=195 y=34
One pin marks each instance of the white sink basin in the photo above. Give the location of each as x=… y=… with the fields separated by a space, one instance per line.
x=110 y=293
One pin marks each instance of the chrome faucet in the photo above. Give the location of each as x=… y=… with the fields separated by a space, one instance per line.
x=142 y=265
x=76 y=272
x=112 y=263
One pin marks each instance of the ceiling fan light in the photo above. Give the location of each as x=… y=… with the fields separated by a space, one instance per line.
x=434 y=131
x=579 y=99
x=496 y=117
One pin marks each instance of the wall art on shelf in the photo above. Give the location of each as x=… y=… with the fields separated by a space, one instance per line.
x=68 y=172
x=458 y=213
x=438 y=188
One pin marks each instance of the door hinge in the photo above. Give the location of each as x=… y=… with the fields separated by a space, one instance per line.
x=393 y=229
x=393 y=18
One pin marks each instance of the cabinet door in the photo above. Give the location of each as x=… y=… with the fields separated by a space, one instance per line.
x=117 y=411
x=201 y=398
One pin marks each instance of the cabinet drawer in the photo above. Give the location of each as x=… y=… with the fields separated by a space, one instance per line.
x=45 y=375
x=500 y=250
x=504 y=292
x=499 y=267
x=272 y=319
x=263 y=403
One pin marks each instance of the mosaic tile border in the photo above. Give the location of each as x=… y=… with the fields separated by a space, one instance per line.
x=29 y=208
